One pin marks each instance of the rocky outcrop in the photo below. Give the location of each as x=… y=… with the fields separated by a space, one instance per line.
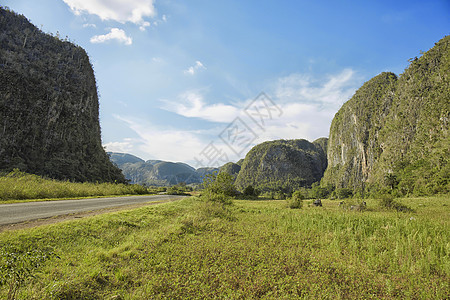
x=49 y=106
x=283 y=165
x=393 y=133
x=354 y=145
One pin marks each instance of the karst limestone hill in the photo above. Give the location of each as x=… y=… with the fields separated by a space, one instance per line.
x=49 y=109
x=393 y=134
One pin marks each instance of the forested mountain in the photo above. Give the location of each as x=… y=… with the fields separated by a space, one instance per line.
x=48 y=106
x=393 y=134
x=283 y=165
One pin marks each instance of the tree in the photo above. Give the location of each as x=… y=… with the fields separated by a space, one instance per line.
x=221 y=183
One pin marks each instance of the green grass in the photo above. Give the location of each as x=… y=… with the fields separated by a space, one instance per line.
x=21 y=186
x=250 y=249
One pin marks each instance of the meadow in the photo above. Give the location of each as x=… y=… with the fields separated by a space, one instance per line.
x=197 y=249
x=18 y=185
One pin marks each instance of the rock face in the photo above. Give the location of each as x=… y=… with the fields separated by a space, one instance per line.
x=393 y=133
x=283 y=164
x=48 y=106
x=354 y=144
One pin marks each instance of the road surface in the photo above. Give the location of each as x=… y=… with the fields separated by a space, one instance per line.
x=27 y=211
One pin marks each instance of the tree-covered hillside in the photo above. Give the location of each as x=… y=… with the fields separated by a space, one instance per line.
x=48 y=106
x=283 y=165
x=393 y=134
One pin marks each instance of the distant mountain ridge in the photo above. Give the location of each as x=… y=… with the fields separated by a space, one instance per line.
x=157 y=172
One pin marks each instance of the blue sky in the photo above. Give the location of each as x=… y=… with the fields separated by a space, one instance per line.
x=178 y=80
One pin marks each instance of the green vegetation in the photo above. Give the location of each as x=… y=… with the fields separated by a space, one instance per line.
x=251 y=249
x=392 y=136
x=179 y=189
x=283 y=166
x=19 y=186
x=221 y=183
x=296 y=201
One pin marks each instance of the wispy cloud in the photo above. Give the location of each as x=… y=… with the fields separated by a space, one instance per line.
x=195 y=68
x=332 y=90
x=191 y=104
x=163 y=143
x=86 y=25
x=122 y=147
x=144 y=26
x=294 y=94
x=122 y=11
x=308 y=105
x=115 y=34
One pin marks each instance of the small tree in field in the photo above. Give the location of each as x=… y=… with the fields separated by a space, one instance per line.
x=296 y=201
x=221 y=183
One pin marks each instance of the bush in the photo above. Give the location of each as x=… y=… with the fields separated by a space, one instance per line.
x=214 y=197
x=343 y=193
x=296 y=201
x=179 y=189
x=250 y=193
x=221 y=183
x=317 y=191
x=387 y=201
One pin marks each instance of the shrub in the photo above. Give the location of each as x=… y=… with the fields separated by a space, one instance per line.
x=250 y=193
x=296 y=201
x=343 y=193
x=387 y=201
x=179 y=189
x=221 y=183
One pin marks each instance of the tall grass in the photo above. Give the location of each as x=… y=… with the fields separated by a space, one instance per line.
x=19 y=186
x=201 y=249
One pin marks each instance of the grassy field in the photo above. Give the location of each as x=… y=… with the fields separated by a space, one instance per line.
x=251 y=249
x=20 y=186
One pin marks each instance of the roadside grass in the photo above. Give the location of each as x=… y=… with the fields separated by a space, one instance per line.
x=21 y=186
x=200 y=249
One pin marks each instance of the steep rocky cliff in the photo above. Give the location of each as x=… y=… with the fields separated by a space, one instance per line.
x=283 y=164
x=49 y=119
x=393 y=133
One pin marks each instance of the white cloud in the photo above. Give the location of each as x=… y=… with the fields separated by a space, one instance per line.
x=122 y=147
x=192 y=105
x=163 y=143
x=144 y=26
x=333 y=90
x=89 y=25
x=157 y=59
x=193 y=69
x=114 y=34
x=308 y=105
x=122 y=11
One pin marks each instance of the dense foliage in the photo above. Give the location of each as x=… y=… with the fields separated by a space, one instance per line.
x=49 y=119
x=392 y=136
x=283 y=165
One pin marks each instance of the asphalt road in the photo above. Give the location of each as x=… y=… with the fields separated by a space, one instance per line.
x=21 y=212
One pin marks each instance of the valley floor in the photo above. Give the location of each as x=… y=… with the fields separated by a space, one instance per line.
x=250 y=249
